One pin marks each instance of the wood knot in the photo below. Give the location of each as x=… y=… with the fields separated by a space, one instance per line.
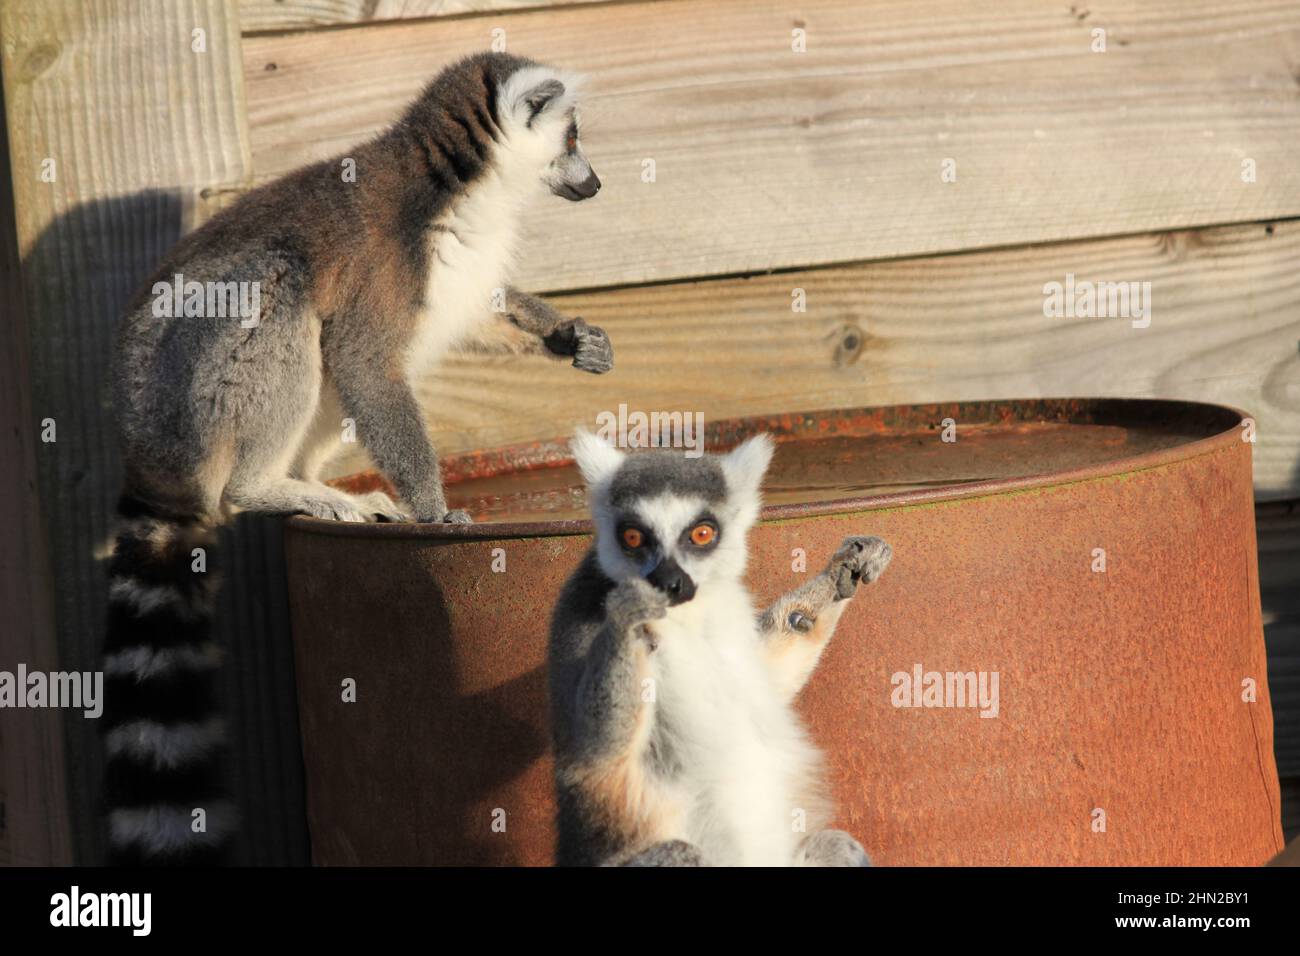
x=849 y=341
x=39 y=59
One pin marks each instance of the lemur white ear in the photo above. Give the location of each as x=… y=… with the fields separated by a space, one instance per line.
x=541 y=96
x=746 y=464
x=534 y=90
x=595 y=458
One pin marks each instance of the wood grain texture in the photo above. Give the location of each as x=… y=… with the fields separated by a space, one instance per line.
x=258 y=16
x=147 y=136
x=766 y=158
x=1225 y=324
x=34 y=825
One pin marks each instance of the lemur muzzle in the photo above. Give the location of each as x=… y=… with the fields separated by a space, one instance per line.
x=669 y=577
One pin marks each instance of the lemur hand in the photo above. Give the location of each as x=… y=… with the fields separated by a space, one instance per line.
x=594 y=354
x=633 y=604
x=858 y=559
x=589 y=346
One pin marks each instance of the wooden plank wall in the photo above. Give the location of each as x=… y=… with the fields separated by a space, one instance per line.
x=961 y=327
x=261 y=16
x=774 y=171
x=767 y=159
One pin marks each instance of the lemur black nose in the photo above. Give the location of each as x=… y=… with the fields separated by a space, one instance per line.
x=588 y=187
x=673 y=581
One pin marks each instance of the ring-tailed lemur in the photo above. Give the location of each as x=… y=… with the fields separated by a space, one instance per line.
x=675 y=737
x=366 y=269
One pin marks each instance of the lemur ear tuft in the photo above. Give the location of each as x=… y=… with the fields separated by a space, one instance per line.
x=541 y=96
x=595 y=458
x=746 y=464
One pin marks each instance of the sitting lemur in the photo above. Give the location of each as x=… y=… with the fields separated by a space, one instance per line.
x=675 y=737
x=368 y=268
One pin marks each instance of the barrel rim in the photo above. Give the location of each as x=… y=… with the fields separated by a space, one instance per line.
x=727 y=432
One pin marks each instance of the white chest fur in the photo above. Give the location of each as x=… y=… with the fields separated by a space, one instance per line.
x=743 y=756
x=471 y=253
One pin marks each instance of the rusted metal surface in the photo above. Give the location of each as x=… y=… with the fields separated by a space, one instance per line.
x=1119 y=691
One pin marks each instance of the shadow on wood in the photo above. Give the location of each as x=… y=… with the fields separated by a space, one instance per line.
x=78 y=276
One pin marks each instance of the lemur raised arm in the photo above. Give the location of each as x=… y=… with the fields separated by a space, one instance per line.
x=674 y=735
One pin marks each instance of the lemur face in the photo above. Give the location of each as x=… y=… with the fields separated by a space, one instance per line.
x=544 y=127
x=680 y=523
x=570 y=175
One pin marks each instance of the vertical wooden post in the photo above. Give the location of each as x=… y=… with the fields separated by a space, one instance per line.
x=125 y=122
x=33 y=802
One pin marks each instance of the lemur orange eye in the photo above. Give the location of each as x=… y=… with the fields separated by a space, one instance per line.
x=633 y=538
x=702 y=534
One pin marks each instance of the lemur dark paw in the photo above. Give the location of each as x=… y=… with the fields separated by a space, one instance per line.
x=635 y=603
x=457 y=517
x=858 y=559
x=592 y=351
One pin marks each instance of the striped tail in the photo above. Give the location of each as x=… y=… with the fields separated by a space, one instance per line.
x=162 y=732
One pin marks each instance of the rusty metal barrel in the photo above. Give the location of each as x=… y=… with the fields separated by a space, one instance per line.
x=1064 y=663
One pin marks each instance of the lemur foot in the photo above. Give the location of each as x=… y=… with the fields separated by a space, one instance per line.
x=834 y=848
x=633 y=604
x=669 y=853
x=589 y=346
x=331 y=509
x=382 y=508
x=858 y=559
x=439 y=515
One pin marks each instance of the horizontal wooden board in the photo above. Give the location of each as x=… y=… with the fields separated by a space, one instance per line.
x=1225 y=322
x=766 y=158
x=258 y=16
